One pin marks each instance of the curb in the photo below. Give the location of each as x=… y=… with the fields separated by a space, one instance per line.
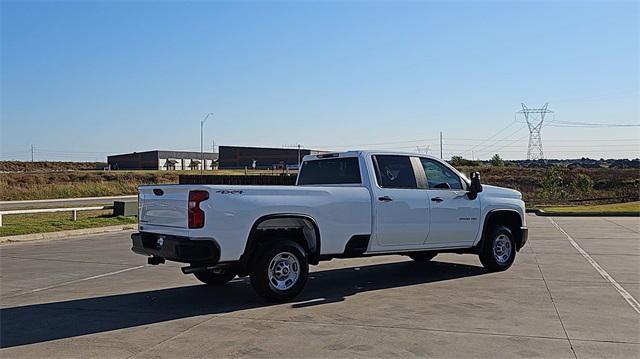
x=66 y=234
x=542 y=213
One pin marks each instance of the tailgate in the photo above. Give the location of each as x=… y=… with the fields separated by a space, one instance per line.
x=164 y=206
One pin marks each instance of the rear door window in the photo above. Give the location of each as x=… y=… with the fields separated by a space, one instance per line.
x=394 y=171
x=330 y=171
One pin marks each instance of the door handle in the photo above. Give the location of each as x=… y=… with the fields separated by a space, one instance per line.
x=437 y=199
x=385 y=199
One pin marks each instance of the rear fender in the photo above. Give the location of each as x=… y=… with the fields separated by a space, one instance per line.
x=284 y=221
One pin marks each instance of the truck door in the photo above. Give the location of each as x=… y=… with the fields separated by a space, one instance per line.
x=401 y=209
x=455 y=219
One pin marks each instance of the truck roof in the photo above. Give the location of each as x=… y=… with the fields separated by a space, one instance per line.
x=363 y=153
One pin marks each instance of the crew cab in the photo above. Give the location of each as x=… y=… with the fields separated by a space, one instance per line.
x=344 y=205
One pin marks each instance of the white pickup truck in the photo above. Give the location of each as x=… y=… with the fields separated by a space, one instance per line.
x=345 y=205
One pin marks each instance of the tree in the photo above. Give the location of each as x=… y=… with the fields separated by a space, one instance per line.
x=457 y=161
x=497 y=161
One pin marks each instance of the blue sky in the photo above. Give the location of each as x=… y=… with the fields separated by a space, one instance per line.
x=84 y=79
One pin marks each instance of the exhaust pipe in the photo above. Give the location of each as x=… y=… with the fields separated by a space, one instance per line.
x=193 y=269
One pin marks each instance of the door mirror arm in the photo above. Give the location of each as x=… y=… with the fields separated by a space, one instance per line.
x=475 y=187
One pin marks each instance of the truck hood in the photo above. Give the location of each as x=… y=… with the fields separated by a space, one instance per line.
x=495 y=191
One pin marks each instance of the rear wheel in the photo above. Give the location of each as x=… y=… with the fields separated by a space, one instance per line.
x=279 y=270
x=498 y=249
x=215 y=277
x=422 y=256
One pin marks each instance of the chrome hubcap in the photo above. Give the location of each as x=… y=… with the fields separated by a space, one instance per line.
x=502 y=249
x=284 y=270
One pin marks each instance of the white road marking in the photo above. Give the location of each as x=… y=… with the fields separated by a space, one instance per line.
x=628 y=297
x=78 y=280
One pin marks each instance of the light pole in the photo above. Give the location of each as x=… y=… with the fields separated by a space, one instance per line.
x=202 y=142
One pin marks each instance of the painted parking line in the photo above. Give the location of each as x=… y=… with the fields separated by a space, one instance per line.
x=628 y=297
x=77 y=281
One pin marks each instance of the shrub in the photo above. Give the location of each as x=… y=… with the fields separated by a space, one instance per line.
x=582 y=184
x=553 y=183
x=497 y=161
x=459 y=161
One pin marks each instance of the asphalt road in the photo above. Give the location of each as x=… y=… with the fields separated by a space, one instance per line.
x=91 y=297
x=64 y=202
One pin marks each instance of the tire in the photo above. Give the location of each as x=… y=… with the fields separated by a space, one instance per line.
x=215 y=278
x=498 y=249
x=422 y=256
x=279 y=270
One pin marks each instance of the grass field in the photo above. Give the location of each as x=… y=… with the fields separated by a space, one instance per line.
x=75 y=184
x=59 y=221
x=539 y=186
x=603 y=208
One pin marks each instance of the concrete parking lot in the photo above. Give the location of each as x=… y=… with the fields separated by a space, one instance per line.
x=91 y=297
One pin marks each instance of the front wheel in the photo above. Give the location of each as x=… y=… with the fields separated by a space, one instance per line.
x=215 y=277
x=498 y=249
x=279 y=270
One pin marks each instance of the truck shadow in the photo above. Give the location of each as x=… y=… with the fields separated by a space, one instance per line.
x=67 y=319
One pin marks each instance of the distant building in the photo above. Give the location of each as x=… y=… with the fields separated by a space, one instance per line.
x=260 y=157
x=162 y=160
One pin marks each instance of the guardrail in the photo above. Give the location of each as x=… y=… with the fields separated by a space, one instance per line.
x=74 y=211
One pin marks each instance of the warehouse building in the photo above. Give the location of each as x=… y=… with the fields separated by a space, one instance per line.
x=163 y=160
x=234 y=157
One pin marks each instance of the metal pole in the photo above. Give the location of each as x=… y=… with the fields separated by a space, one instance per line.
x=213 y=150
x=31 y=153
x=202 y=142
x=440 y=144
x=298 y=157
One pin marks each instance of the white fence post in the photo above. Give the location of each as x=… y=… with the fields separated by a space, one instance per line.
x=0 y=219
x=74 y=215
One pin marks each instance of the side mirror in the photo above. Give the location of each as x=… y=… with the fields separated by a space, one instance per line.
x=476 y=186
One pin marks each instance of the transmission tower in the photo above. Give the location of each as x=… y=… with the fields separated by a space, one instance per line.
x=535 y=119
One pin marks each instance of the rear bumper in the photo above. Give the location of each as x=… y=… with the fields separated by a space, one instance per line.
x=174 y=248
x=524 y=236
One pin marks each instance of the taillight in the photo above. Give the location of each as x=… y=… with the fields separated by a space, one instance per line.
x=196 y=215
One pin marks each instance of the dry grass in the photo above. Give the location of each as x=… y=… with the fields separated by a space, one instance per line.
x=44 y=166
x=22 y=186
x=622 y=184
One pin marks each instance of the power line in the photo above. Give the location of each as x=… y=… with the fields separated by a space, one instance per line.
x=494 y=135
x=374 y=144
x=483 y=149
x=555 y=123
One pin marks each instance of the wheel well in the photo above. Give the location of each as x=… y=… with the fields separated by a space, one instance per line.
x=511 y=219
x=300 y=229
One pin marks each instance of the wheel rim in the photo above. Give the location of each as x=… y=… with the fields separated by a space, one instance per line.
x=284 y=271
x=502 y=249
